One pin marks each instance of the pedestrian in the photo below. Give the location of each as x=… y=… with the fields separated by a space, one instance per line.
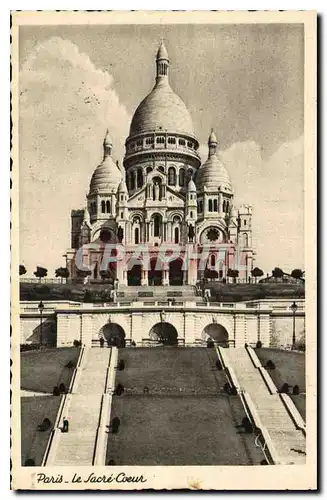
x=66 y=425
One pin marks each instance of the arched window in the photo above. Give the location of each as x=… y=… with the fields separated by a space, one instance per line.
x=108 y=207
x=161 y=169
x=191 y=214
x=224 y=206
x=149 y=169
x=246 y=240
x=171 y=176
x=210 y=205
x=213 y=260
x=157 y=225
x=181 y=177
x=136 y=236
x=227 y=206
x=181 y=142
x=103 y=206
x=139 y=177
x=176 y=235
x=132 y=181
x=215 y=206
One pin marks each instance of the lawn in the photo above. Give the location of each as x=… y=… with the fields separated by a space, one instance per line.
x=189 y=430
x=170 y=370
x=185 y=419
x=290 y=368
x=33 y=411
x=40 y=371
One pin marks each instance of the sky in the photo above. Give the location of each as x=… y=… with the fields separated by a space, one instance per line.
x=245 y=81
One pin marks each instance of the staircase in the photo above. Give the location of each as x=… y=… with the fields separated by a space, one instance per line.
x=271 y=410
x=83 y=410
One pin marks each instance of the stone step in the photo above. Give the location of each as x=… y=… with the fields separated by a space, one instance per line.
x=76 y=448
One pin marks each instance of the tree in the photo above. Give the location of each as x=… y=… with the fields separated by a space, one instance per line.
x=277 y=272
x=297 y=274
x=62 y=273
x=233 y=273
x=257 y=273
x=22 y=270
x=40 y=272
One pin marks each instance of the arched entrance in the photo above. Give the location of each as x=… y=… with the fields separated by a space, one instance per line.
x=134 y=275
x=216 y=332
x=165 y=333
x=155 y=272
x=113 y=334
x=176 y=272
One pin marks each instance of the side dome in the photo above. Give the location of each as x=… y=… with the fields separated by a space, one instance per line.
x=107 y=176
x=213 y=174
x=162 y=109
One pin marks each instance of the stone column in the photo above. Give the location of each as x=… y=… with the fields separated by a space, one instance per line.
x=165 y=277
x=144 y=277
x=220 y=202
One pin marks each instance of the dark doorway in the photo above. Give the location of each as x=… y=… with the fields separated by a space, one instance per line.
x=165 y=333
x=155 y=273
x=113 y=334
x=134 y=275
x=216 y=332
x=176 y=272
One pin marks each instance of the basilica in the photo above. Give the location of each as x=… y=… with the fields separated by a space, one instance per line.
x=162 y=196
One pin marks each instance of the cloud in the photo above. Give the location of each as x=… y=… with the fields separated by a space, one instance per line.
x=66 y=104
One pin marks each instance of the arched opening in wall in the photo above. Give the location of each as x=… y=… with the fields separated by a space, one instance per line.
x=157 y=225
x=155 y=272
x=215 y=205
x=164 y=333
x=224 y=206
x=176 y=235
x=217 y=333
x=132 y=181
x=157 y=188
x=246 y=240
x=181 y=177
x=210 y=271
x=108 y=207
x=210 y=205
x=113 y=334
x=134 y=275
x=103 y=206
x=176 y=272
x=105 y=236
x=136 y=236
x=139 y=177
x=171 y=176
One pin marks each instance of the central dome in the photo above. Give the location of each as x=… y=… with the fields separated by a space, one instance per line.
x=162 y=109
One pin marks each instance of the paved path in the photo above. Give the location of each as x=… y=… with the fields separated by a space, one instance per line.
x=77 y=447
x=272 y=412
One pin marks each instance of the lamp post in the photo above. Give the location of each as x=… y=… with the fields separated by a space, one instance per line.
x=294 y=309
x=41 y=307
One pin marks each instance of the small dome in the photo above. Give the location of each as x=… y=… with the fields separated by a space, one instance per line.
x=162 y=51
x=191 y=186
x=212 y=174
x=107 y=176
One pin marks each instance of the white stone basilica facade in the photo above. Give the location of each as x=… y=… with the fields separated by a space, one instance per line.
x=163 y=196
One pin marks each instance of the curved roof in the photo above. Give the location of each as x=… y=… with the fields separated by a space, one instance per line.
x=162 y=109
x=191 y=186
x=213 y=174
x=106 y=177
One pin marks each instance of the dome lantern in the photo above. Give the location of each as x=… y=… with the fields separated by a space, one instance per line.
x=212 y=143
x=162 y=62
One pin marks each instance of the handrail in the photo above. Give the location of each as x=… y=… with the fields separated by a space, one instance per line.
x=252 y=411
x=293 y=412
